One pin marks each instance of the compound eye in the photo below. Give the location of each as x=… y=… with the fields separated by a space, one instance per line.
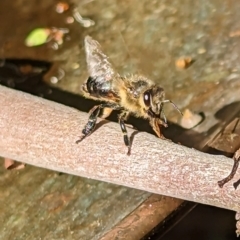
x=146 y=98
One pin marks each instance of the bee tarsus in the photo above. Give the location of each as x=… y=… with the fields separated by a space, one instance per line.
x=122 y=118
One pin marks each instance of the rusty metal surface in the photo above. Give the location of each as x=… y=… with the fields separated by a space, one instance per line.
x=42 y=204
x=144 y=218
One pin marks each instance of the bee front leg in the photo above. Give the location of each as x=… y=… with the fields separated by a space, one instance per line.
x=123 y=117
x=156 y=123
x=94 y=113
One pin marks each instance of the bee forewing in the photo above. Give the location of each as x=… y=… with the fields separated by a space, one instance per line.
x=97 y=61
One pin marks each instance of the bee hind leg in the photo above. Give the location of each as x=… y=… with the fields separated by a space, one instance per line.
x=94 y=113
x=121 y=118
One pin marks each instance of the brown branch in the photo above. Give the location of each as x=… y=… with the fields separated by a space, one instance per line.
x=43 y=133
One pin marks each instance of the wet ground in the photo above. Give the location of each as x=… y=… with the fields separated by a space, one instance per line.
x=139 y=37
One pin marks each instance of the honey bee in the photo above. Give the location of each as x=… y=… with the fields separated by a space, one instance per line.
x=135 y=95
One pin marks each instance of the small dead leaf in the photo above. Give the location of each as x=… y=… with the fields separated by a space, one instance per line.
x=190 y=119
x=61 y=7
x=8 y=163
x=11 y=164
x=183 y=62
x=201 y=50
x=234 y=33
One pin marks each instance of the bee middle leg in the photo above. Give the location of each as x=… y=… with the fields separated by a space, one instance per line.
x=94 y=113
x=121 y=118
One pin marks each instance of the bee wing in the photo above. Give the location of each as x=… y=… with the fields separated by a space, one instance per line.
x=97 y=61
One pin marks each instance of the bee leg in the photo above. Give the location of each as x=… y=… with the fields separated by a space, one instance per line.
x=155 y=123
x=94 y=113
x=89 y=127
x=123 y=117
x=155 y=127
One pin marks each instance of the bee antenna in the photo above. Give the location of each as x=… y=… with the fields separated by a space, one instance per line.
x=174 y=105
x=125 y=45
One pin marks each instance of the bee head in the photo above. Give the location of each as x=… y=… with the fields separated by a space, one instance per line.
x=153 y=100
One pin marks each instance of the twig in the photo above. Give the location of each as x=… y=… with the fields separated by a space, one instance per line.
x=236 y=159
x=43 y=133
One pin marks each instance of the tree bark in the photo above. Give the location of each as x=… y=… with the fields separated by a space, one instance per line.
x=43 y=133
